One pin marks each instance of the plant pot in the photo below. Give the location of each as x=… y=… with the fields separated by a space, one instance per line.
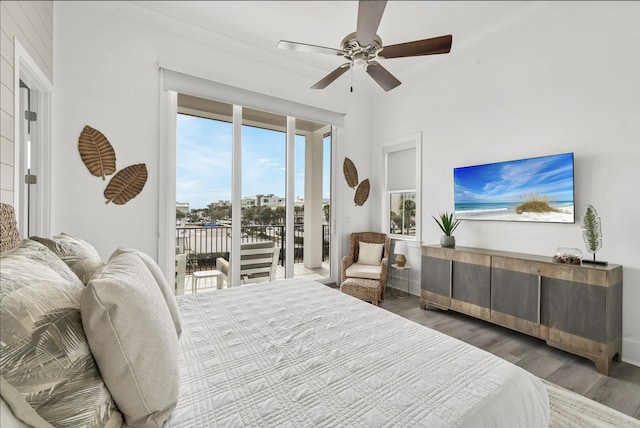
x=448 y=241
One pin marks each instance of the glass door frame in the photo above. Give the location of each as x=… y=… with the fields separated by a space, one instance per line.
x=172 y=82
x=41 y=89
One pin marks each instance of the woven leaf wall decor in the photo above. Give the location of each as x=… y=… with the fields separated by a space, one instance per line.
x=350 y=173
x=96 y=152
x=126 y=184
x=362 y=193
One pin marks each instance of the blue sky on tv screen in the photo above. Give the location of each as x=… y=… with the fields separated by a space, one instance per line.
x=513 y=181
x=203 y=162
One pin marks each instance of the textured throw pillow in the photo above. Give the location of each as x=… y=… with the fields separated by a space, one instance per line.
x=20 y=414
x=369 y=254
x=45 y=358
x=167 y=290
x=79 y=255
x=133 y=339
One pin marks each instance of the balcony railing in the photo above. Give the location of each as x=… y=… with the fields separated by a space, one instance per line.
x=203 y=245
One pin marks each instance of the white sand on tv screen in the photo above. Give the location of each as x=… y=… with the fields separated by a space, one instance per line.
x=564 y=215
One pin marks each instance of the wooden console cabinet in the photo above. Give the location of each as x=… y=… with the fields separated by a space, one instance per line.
x=576 y=308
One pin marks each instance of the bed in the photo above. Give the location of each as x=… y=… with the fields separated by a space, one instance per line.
x=87 y=342
x=298 y=353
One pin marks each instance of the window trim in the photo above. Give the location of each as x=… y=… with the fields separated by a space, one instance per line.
x=411 y=141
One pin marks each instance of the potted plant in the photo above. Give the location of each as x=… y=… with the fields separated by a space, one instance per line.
x=447 y=224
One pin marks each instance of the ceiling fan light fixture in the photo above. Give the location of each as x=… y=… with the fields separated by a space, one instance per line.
x=361 y=58
x=364 y=47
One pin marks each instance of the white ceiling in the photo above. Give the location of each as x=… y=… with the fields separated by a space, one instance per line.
x=257 y=26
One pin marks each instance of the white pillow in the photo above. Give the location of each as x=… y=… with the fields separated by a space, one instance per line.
x=133 y=340
x=167 y=290
x=369 y=254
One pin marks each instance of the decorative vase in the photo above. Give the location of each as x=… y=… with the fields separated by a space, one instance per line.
x=448 y=241
x=572 y=256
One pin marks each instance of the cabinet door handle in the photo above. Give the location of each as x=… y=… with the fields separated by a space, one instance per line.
x=539 y=283
x=450 y=279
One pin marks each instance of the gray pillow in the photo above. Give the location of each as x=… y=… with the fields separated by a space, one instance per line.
x=46 y=362
x=133 y=338
x=167 y=291
x=79 y=255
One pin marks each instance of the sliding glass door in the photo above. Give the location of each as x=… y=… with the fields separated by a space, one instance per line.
x=284 y=187
x=203 y=185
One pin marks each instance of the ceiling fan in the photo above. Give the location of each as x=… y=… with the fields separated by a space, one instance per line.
x=364 y=47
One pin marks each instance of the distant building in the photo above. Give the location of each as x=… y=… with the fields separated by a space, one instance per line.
x=183 y=207
x=269 y=200
x=220 y=204
x=249 y=201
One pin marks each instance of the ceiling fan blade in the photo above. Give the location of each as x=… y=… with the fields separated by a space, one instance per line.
x=329 y=78
x=369 y=16
x=303 y=47
x=382 y=76
x=436 y=45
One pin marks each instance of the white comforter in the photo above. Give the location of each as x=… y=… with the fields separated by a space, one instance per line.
x=296 y=353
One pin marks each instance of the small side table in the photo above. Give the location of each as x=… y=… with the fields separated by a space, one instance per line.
x=401 y=270
x=198 y=275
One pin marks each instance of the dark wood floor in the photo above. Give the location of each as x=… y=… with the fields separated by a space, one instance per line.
x=620 y=391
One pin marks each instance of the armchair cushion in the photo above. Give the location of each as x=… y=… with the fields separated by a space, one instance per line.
x=369 y=254
x=358 y=270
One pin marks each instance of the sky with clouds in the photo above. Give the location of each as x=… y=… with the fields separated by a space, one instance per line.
x=550 y=176
x=203 y=162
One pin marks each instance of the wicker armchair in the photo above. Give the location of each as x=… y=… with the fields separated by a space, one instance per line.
x=366 y=282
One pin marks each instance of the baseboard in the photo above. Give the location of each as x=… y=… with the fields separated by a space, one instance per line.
x=631 y=351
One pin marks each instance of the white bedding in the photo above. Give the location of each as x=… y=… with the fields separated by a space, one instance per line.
x=296 y=353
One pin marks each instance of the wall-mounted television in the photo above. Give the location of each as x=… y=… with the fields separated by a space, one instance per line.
x=536 y=189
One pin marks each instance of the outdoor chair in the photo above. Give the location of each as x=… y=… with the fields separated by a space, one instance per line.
x=258 y=262
x=181 y=268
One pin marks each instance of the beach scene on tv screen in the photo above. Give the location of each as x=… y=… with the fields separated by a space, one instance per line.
x=535 y=189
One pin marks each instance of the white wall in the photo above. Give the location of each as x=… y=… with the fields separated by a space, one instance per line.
x=563 y=78
x=31 y=23
x=106 y=68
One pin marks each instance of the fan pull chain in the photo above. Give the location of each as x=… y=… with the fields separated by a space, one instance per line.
x=351 y=73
